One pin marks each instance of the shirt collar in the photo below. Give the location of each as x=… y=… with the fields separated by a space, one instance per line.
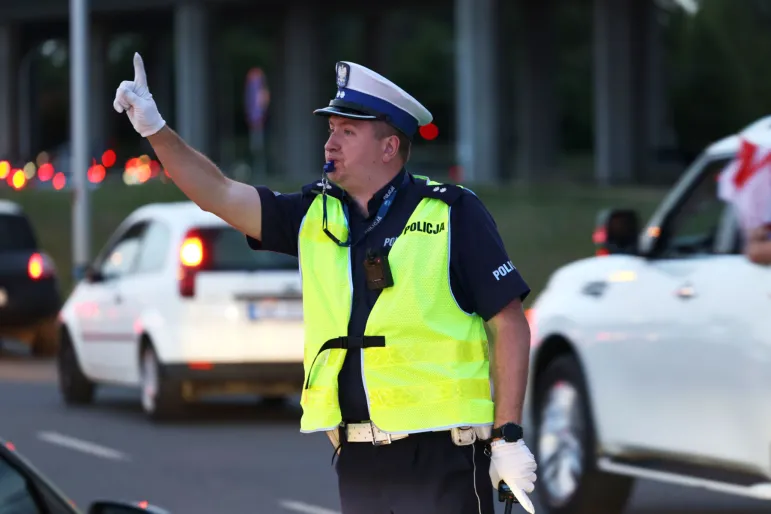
x=377 y=199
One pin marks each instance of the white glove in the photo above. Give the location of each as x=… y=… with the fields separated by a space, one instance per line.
x=514 y=464
x=134 y=97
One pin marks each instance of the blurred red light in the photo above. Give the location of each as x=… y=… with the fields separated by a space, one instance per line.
x=456 y=173
x=45 y=172
x=429 y=131
x=109 y=158
x=96 y=173
x=59 y=181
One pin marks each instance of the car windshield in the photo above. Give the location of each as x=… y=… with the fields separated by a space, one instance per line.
x=15 y=234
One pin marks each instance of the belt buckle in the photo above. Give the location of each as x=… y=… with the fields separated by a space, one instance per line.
x=375 y=442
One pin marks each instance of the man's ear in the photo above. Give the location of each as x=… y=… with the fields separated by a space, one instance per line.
x=391 y=148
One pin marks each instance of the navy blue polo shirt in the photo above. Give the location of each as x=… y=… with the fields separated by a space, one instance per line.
x=477 y=254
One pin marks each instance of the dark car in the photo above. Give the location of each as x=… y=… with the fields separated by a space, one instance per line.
x=29 y=290
x=24 y=490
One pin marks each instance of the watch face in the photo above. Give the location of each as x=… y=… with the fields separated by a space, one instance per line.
x=511 y=432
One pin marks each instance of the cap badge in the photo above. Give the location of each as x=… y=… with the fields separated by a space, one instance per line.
x=343 y=70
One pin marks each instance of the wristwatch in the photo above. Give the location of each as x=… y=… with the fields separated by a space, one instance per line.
x=509 y=432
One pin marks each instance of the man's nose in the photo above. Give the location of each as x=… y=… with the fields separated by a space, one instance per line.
x=332 y=143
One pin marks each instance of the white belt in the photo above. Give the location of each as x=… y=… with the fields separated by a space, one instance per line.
x=369 y=433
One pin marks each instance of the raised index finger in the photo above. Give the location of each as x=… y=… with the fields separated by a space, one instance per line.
x=140 y=77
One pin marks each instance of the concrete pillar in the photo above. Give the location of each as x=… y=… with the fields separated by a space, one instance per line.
x=508 y=80
x=191 y=56
x=659 y=135
x=307 y=84
x=98 y=101
x=631 y=123
x=477 y=145
x=26 y=102
x=537 y=112
x=225 y=84
x=9 y=61
x=160 y=67
x=614 y=136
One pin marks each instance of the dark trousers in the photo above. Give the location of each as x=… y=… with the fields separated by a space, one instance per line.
x=422 y=474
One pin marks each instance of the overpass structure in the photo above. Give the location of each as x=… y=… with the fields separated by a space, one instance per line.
x=628 y=101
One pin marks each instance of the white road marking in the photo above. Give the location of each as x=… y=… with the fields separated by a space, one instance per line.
x=81 y=446
x=305 y=508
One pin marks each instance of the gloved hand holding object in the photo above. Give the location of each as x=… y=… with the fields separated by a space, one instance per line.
x=514 y=464
x=134 y=97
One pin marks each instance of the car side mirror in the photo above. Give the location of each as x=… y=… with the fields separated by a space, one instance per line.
x=116 y=507
x=616 y=231
x=93 y=275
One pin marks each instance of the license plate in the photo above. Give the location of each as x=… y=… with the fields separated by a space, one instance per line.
x=3 y=297
x=275 y=310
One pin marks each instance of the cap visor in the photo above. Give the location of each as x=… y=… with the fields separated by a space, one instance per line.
x=344 y=113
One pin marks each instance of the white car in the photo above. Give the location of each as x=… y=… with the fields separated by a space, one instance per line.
x=653 y=359
x=178 y=305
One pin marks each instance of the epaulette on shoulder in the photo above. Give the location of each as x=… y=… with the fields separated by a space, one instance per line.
x=316 y=188
x=448 y=193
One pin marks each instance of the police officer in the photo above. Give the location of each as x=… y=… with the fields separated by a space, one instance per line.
x=399 y=276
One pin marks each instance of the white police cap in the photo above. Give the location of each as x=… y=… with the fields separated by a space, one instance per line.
x=366 y=95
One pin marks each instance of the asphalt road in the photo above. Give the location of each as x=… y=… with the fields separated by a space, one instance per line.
x=232 y=458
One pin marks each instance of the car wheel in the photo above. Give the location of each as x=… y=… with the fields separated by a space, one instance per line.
x=161 y=397
x=568 y=479
x=74 y=386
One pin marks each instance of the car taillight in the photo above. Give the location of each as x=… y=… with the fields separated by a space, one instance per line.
x=191 y=257
x=39 y=266
x=191 y=253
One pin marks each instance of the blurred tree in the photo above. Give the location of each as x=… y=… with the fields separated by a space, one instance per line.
x=719 y=68
x=575 y=75
x=422 y=61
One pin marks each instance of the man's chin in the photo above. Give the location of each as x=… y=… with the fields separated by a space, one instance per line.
x=336 y=176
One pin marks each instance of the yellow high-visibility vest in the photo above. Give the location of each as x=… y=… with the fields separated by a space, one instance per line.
x=425 y=361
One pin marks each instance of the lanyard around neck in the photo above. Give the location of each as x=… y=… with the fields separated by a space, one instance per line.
x=388 y=199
